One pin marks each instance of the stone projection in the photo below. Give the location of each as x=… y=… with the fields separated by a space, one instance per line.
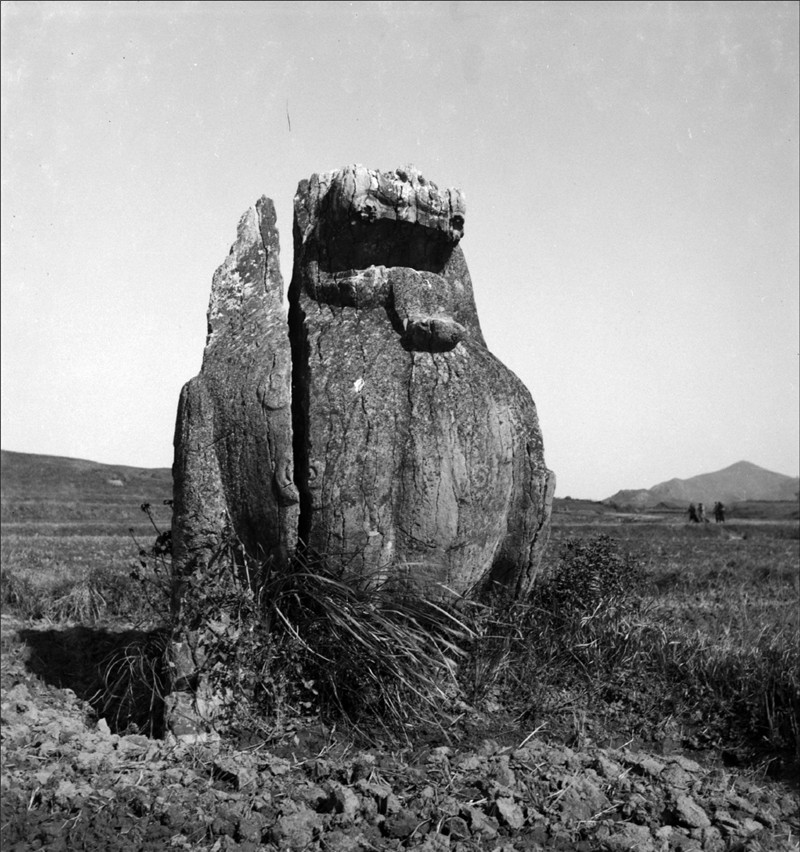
x=371 y=426
x=233 y=438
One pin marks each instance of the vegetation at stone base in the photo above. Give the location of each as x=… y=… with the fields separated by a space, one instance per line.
x=661 y=632
x=278 y=645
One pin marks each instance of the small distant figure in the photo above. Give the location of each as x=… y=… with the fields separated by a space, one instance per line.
x=719 y=513
x=693 y=517
x=701 y=513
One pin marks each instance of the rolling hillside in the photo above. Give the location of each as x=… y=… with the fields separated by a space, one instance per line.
x=55 y=489
x=738 y=483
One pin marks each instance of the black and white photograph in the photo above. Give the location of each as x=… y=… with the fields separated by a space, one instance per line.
x=400 y=426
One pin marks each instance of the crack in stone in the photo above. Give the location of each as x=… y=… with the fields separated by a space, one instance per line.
x=379 y=283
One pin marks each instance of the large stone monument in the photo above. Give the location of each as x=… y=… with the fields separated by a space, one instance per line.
x=372 y=426
x=418 y=451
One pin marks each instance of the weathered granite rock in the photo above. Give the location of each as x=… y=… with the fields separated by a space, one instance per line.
x=374 y=428
x=417 y=452
x=233 y=439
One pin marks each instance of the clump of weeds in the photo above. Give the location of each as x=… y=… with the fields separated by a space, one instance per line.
x=281 y=643
x=591 y=638
x=133 y=676
x=132 y=683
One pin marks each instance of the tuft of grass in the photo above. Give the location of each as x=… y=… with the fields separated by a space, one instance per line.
x=17 y=595
x=279 y=644
x=589 y=575
x=86 y=579
x=82 y=603
x=374 y=650
x=133 y=685
x=86 y=597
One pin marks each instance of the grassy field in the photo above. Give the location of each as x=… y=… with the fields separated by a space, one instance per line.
x=706 y=642
x=740 y=578
x=644 y=629
x=77 y=570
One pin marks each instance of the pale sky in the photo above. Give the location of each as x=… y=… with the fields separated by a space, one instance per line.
x=630 y=170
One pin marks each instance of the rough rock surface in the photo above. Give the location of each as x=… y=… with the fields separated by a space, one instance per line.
x=68 y=782
x=416 y=449
x=233 y=441
x=385 y=437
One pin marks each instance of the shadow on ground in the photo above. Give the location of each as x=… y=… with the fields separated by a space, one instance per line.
x=121 y=674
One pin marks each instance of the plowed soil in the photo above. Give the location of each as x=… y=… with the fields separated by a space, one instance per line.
x=70 y=783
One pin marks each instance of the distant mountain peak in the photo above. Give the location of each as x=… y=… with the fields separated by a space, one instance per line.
x=741 y=481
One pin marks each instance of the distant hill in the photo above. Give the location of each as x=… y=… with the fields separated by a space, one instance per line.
x=740 y=482
x=51 y=488
x=583 y=508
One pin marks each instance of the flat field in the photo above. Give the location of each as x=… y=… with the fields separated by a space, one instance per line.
x=671 y=693
x=731 y=581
